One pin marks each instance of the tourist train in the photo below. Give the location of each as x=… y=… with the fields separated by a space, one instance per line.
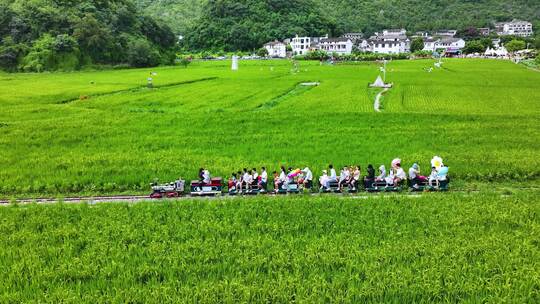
x=290 y=180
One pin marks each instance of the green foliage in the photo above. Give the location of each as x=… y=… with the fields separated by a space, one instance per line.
x=122 y=135
x=515 y=45
x=474 y=46
x=443 y=248
x=537 y=59
x=141 y=53
x=184 y=61
x=262 y=52
x=49 y=35
x=417 y=45
x=352 y=15
x=235 y=25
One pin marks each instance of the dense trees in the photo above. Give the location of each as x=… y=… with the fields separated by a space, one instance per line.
x=247 y=24
x=346 y=15
x=417 y=45
x=38 y=35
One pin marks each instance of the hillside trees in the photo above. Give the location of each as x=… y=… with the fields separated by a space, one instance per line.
x=234 y=25
x=38 y=35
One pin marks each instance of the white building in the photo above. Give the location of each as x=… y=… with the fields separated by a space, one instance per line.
x=340 y=46
x=390 y=42
x=276 y=49
x=496 y=52
x=448 y=44
x=353 y=36
x=514 y=27
x=445 y=33
x=302 y=45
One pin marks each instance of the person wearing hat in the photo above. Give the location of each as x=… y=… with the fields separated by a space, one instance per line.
x=400 y=175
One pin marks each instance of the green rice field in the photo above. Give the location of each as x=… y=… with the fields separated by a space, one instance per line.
x=443 y=248
x=105 y=132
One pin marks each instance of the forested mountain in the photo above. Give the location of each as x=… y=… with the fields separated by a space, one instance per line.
x=244 y=24
x=39 y=35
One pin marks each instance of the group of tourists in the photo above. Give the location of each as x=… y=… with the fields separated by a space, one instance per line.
x=349 y=176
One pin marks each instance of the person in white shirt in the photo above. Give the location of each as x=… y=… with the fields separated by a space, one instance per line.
x=399 y=175
x=344 y=177
x=382 y=173
x=282 y=178
x=323 y=180
x=332 y=177
x=263 y=179
x=246 y=179
x=206 y=177
x=308 y=178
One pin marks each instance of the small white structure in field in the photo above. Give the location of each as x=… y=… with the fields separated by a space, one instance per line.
x=234 y=65
x=379 y=83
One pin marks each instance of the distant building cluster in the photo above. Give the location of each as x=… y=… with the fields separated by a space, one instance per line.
x=389 y=41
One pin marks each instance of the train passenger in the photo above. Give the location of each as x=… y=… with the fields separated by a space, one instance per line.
x=353 y=182
x=415 y=177
x=370 y=177
x=344 y=177
x=248 y=179
x=276 y=180
x=308 y=178
x=433 y=177
x=332 y=177
x=232 y=182
x=255 y=177
x=239 y=181
x=263 y=179
x=201 y=175
x=323 y=180
x=290 y=177
x=282 y=178
x=382 y=173
x=207 y=179
x=390 y=178
x=400 y=175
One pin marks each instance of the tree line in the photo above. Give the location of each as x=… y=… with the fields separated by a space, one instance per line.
x=39 y=35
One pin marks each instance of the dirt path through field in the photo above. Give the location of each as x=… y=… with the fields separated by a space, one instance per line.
x=377 y=103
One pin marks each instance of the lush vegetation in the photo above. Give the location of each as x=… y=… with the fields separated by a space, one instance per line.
x=41 y=35
x=434 y=248
x=246 y=25
x=105 y=132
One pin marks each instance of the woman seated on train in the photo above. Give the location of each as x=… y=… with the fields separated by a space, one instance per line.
x=324 y=180
x=399 y=175
x=255 y=177
x=308 y=178
x=282 y=180
x=344 y=177
x=414 y=175
x=390 y=178
x=370 y=177
x=239 y=181
x=201 y=175
x=353 y=182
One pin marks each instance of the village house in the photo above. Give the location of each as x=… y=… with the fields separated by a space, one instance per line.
x=355 y=37
x=447 y=44
x=340 y=46
x=445 y=33
x=276 y=49
x=392 y=41
x=484 y=31
x=515 y=28
x=302 y=45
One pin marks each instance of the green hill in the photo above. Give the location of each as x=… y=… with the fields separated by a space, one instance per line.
x=217 y=23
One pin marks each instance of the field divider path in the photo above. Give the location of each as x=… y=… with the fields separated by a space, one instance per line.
x=138 y=88
x=377 y=103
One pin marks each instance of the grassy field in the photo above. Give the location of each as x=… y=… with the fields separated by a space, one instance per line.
x=481 y=116
x=479 y=248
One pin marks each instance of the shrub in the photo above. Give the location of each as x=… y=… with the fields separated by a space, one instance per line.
x=140 y=53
